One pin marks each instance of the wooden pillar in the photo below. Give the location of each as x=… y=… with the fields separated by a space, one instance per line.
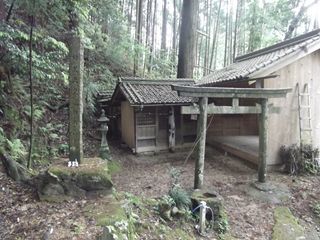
x=172 y=129
x=263 y=135
x=75 y=98
x=201 y=136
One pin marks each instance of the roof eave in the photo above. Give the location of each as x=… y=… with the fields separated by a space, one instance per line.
x=285 y=61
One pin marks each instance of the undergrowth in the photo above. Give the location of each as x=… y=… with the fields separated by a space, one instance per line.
x=300 y=160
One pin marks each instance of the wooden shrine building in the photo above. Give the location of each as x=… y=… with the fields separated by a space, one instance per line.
x=150 y=118
x=294 y=64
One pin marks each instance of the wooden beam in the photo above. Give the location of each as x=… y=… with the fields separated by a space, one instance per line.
x=222 y=92
x=76 y=98
x=263 y=135
x=201 y=136
x=212 y=109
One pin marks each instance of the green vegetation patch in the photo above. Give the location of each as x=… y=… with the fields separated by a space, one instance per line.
x=286 y=225
x=88 y=166
x=106 y=212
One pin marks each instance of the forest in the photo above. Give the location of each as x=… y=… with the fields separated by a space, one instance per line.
x=152 y=39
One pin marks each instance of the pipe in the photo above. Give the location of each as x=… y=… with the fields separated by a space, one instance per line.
x=203 y=210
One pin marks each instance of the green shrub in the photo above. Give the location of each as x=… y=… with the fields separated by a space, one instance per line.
x=180 y=197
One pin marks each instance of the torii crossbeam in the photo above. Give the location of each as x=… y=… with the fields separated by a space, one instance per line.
x=203 y=109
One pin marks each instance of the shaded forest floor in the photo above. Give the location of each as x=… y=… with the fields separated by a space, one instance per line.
x=249 y=218
x=22 y=216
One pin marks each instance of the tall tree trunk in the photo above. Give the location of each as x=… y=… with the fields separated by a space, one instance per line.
x=10 y=10
x=147 y=41
x=164 y=27
x=174 y=30
x=187 y=39
x=207 y=29
x=226 y=37
x=230 y=37
x=236 y=29
x=138 y=38
x=255 y=33
x=130 y=16
x=153 y=36
x=215 y=34
x=31 y=87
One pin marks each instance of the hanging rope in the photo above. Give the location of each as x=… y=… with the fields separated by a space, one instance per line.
x=195 y=143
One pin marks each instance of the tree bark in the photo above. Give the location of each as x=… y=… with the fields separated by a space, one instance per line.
x=187 y=39
x=13 y=169
x=215 y=34
x=147 y=40
x=236 y=29
x=139 y=4
x=10 y=10
x=295 y=21
x=164 y=26
x=174 y=26
x=153 y=36
x=31 y=89
x=226 y=37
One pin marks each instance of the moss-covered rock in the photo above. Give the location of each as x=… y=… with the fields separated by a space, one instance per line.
x=61 y=182
x=286 y=225
x=107 y=212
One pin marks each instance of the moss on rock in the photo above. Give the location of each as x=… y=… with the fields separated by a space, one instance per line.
x=286 y=225
x=92 y=176
x=215 y=202
x=106 y=212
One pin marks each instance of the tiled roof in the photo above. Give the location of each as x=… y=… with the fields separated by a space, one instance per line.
x=104 y=96
x=248 y=64
x=148 y=91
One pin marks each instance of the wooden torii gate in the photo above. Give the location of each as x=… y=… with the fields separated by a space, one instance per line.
x=203 y=109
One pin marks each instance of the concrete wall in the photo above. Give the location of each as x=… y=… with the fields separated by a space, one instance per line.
x=127 y=124
x=284 y=127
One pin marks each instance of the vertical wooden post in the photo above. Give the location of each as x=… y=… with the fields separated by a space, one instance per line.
x=263 y=135
x=172 y=129
x=75 y=98
x=201 y=136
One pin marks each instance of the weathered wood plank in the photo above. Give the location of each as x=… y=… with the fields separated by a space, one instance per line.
x=263 y=135
x=187 y=110
x=222 y=109
x=76 y=102
x=201 y=130
x=220 y=92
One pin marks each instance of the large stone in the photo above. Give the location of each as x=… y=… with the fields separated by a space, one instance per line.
x=61 y=182
x=286 y=226
x=270 y=192
x=215 y=202
x=212 y=199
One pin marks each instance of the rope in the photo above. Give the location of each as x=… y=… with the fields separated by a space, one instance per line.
x=195 y=143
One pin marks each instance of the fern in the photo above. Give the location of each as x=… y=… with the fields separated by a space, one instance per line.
x=180 y=197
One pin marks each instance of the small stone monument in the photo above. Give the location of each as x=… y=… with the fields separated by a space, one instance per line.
x=104 y=151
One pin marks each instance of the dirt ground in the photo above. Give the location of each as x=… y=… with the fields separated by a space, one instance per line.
x=22 y=216
x=249 y=218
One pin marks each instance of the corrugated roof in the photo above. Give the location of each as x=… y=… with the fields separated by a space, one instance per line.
x=248 y=64
x=149 y=91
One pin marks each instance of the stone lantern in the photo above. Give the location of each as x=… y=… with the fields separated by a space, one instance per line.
x=104 y=151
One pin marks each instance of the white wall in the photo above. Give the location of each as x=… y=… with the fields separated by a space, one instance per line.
x=284 y=127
